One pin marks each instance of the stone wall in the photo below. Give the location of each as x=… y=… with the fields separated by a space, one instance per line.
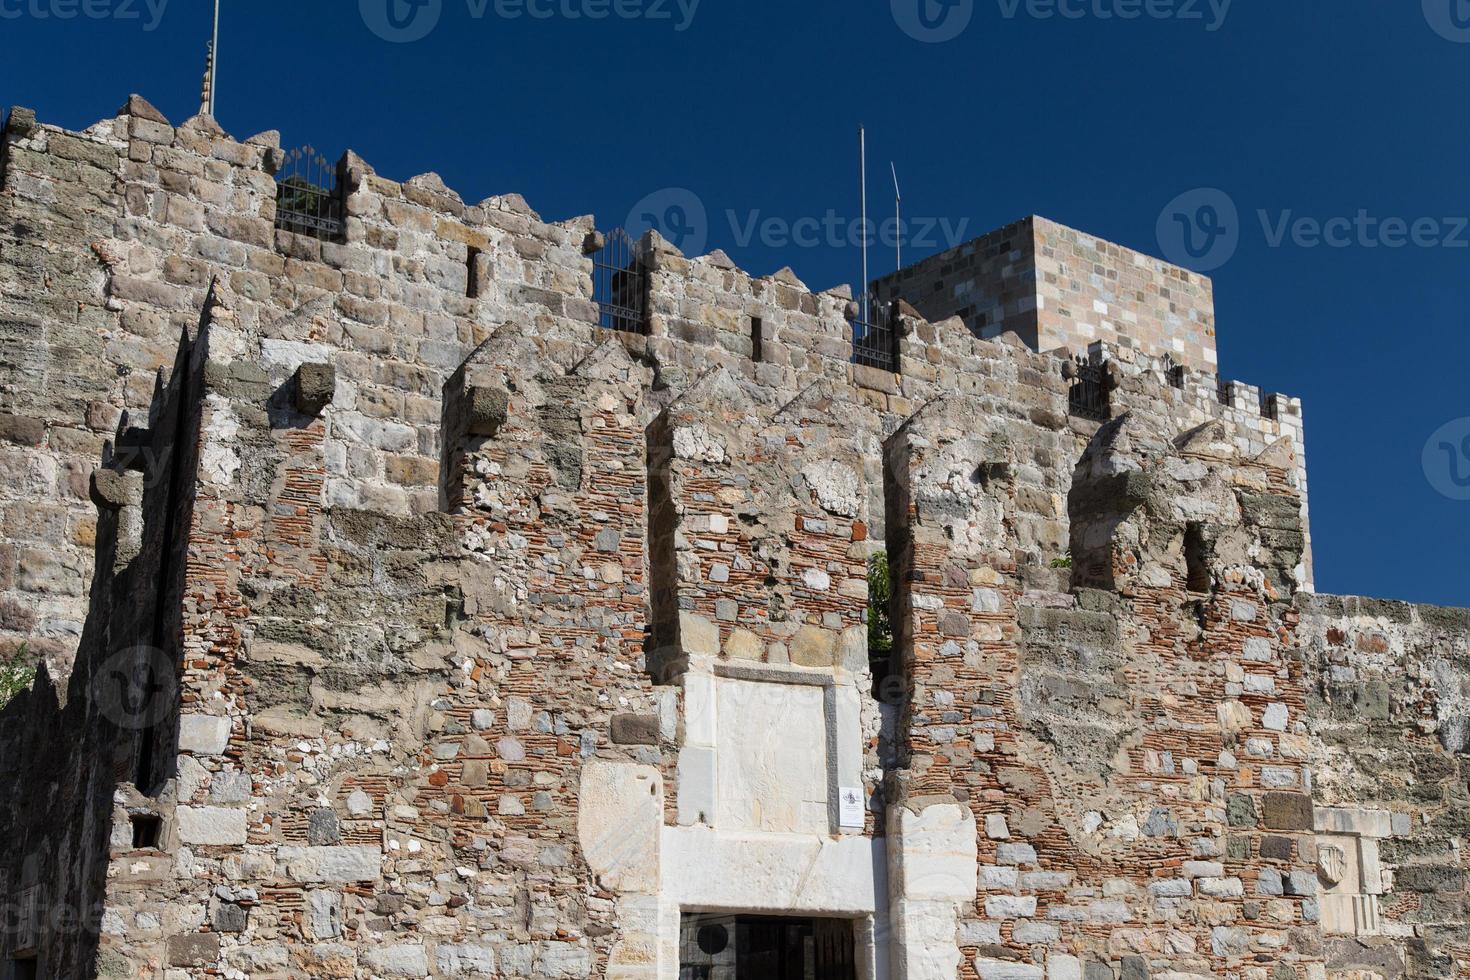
x=1389 y=717
x=439 y=634
x=112 y=236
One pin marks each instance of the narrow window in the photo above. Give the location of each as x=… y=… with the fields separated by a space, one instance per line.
x=1196 y=558
x=757 y=339
x=147 y=831
x=472 y=277
x=880 y=624
x=309 y=200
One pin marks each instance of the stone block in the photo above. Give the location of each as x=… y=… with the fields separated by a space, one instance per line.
x=619 y=821
x=336 y=863
x=204 y=734
x=991 y=969
x=199 y=949
x=465 y=960
x=486 y=410
x=21 y=430
x=813 y=646
x=698 y=635
x=314 y=387
x=635 y=729
x=397 y=961
x=210 y=825
x=1288 y=811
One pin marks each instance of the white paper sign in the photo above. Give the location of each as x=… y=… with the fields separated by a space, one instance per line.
x=850 y=809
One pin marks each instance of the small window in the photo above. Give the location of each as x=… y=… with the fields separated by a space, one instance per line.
x=308 y=200
x=147 y=831
x=875 y=336
x=1196 y=558
x=620 y=285
x=757 y=339
x=1088 y=397
x=472 y=275
x=1225 y=390
x=1270 y=407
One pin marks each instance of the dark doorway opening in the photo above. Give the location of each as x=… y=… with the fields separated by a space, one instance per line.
x=754 y=947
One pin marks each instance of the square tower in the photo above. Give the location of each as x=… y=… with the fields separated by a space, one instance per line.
x=1061 y=288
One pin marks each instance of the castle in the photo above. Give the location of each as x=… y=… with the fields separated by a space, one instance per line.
x=424 y=589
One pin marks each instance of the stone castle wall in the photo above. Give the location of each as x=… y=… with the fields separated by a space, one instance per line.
x=454 y=636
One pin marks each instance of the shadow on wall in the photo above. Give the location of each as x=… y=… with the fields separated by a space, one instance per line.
x=101 y=751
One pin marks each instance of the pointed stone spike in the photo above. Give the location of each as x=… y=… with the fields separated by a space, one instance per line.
x=141 y=108
x=1280 y=455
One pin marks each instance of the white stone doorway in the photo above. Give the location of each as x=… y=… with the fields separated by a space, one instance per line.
x=717 y=946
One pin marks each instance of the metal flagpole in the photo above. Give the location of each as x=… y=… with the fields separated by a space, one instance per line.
x=863 y=155
x=897 y=214
x=214 y=62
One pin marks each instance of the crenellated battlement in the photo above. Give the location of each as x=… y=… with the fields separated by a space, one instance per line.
x=141 y=216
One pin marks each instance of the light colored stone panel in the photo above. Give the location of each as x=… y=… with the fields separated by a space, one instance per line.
x=315 y=864
x=771 y=756
x=210 y=825
x=619 y=815
x=772 y=873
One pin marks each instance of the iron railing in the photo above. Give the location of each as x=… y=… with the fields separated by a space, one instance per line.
x=620 y=285
x=875 y=339
x=1088 y=397
x=1174 y=374
x=308 y=200
x=1225 y=392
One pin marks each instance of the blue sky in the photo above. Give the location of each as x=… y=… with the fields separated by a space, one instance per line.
x=1096 y=113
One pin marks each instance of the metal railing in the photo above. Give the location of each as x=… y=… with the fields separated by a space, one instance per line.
x=1088 y=397
x=875 y=340
x=308 y=200
x=1225 y=392
x=620 y=285
x=1174 y=373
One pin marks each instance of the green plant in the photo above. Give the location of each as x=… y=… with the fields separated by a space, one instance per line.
x=880 y=594
x=1063 y=562
x=16 y=676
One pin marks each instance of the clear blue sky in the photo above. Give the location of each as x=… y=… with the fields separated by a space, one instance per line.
x=1298 y=109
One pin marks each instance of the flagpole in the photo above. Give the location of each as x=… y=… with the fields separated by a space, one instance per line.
x=214 y=62
x=863 y=168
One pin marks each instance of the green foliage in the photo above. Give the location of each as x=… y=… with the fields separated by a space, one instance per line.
x=880 y=592
x=1063 y=562
x=16 y=676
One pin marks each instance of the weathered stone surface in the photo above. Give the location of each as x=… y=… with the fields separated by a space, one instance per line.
x=209 y=825
x=526 y=580
x=635 y=729
x=1287 y=811
x=315 y=386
